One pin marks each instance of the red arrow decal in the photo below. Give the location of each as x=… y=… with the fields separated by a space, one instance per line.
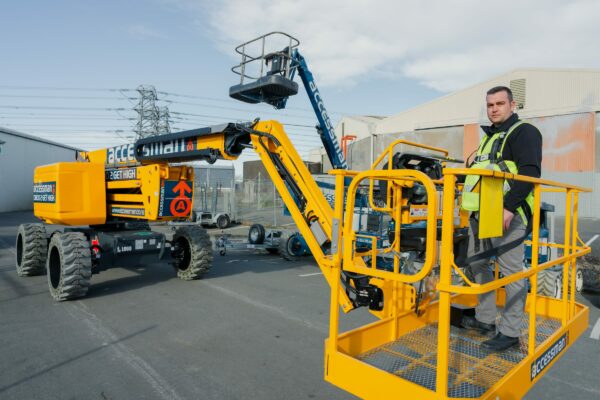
x=182 y=187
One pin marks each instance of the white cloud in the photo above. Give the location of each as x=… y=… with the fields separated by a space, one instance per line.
x=139 y=31
x=445 y=45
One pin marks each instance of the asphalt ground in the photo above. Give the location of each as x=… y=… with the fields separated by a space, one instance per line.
x=253 y=328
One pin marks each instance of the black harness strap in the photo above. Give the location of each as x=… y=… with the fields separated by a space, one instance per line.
x=490 y=251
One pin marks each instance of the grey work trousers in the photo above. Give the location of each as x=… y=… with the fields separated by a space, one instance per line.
x=510 y=262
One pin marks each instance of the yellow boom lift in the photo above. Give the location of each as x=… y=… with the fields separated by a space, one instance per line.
x=411 y=282
x=413 y=350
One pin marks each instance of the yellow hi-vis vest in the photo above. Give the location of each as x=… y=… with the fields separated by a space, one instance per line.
x=485 y=160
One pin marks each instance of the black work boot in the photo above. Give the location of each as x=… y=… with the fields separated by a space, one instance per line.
x=500 y=342
x=471 y=323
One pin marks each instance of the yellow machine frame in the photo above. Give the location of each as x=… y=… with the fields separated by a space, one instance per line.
x=318 y=223
x=398 y=316
x=341 y=362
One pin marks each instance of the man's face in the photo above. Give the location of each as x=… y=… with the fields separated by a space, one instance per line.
x=499 y=109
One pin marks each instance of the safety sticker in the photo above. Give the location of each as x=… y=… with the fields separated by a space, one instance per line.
x=44 y=192
x=175 y=198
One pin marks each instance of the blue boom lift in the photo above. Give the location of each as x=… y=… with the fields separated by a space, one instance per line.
x=274 y=84
x=268 y=77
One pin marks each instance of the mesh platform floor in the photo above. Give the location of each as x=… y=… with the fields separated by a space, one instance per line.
x=472 y=371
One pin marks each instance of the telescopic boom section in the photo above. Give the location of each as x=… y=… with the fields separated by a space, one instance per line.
x=310 y=210
x=326 y=131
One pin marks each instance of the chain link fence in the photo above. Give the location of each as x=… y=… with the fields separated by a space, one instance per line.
x=257 y=202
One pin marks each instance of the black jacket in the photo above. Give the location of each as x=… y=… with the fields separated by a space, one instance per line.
x=524 y=147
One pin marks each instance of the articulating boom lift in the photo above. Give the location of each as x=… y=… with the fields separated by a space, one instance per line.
x=271 y=81
x=414 y=350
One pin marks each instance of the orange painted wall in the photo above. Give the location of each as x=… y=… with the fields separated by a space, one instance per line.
x=471 y=139
x=569 y=142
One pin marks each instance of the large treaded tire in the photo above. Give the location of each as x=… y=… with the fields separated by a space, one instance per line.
x=223 y=221
x=289 y=248
x=192 y=252
x=69 y=265
x=256 y=234
x=546 y=283
x=550 y=283
x=590 y=270
x=31 y=246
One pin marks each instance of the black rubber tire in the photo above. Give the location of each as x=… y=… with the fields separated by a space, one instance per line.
x=32 y=247
x=546 y=282
x=192 y=253
x=579 y=280
x=69 y=265
x=256 y=234
x=590 y=269
x=288 y=247
x=550 y=283
x=223 y=221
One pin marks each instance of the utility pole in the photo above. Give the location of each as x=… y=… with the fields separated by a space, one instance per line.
x=164 y=120
x=148 y=114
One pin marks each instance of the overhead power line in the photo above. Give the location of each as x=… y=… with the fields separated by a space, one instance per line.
x=164 y=93
x=31 y=96
x=65 y=108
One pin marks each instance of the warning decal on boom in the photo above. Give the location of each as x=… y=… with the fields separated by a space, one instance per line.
x=175 y=198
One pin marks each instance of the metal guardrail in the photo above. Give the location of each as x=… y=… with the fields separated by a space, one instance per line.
x=248 y=58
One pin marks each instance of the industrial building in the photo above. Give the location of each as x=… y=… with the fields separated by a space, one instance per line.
x=563 y=103
x=19 y=155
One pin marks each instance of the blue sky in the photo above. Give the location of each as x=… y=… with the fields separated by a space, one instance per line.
x=111 y=44
x=370 y=58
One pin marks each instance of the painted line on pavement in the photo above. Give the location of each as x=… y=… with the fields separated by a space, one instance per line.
x=159 y=384
x=267 y=307
x=596 y=331
x=313 y=274
x=576 y=387
x=591 y=240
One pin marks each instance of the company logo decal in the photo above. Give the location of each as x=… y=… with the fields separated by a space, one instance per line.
x=44 y=192
x=546 y=358
x=137 y=212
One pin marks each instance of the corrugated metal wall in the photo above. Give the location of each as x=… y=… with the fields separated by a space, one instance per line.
x=20 y=155
x=571 y=152
x=589 y=203
x=358 y=155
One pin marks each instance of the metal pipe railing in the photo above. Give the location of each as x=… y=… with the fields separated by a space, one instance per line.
x=570 y=254
x=355 y=264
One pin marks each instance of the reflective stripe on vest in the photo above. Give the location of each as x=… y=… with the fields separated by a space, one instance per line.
x=484 y=159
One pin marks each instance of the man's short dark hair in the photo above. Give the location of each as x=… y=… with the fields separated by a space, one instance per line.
x=498 y=89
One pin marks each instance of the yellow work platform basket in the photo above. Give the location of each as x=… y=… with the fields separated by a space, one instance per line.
x=414 y=351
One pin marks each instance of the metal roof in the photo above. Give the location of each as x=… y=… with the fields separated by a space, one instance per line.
x=35 y=138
